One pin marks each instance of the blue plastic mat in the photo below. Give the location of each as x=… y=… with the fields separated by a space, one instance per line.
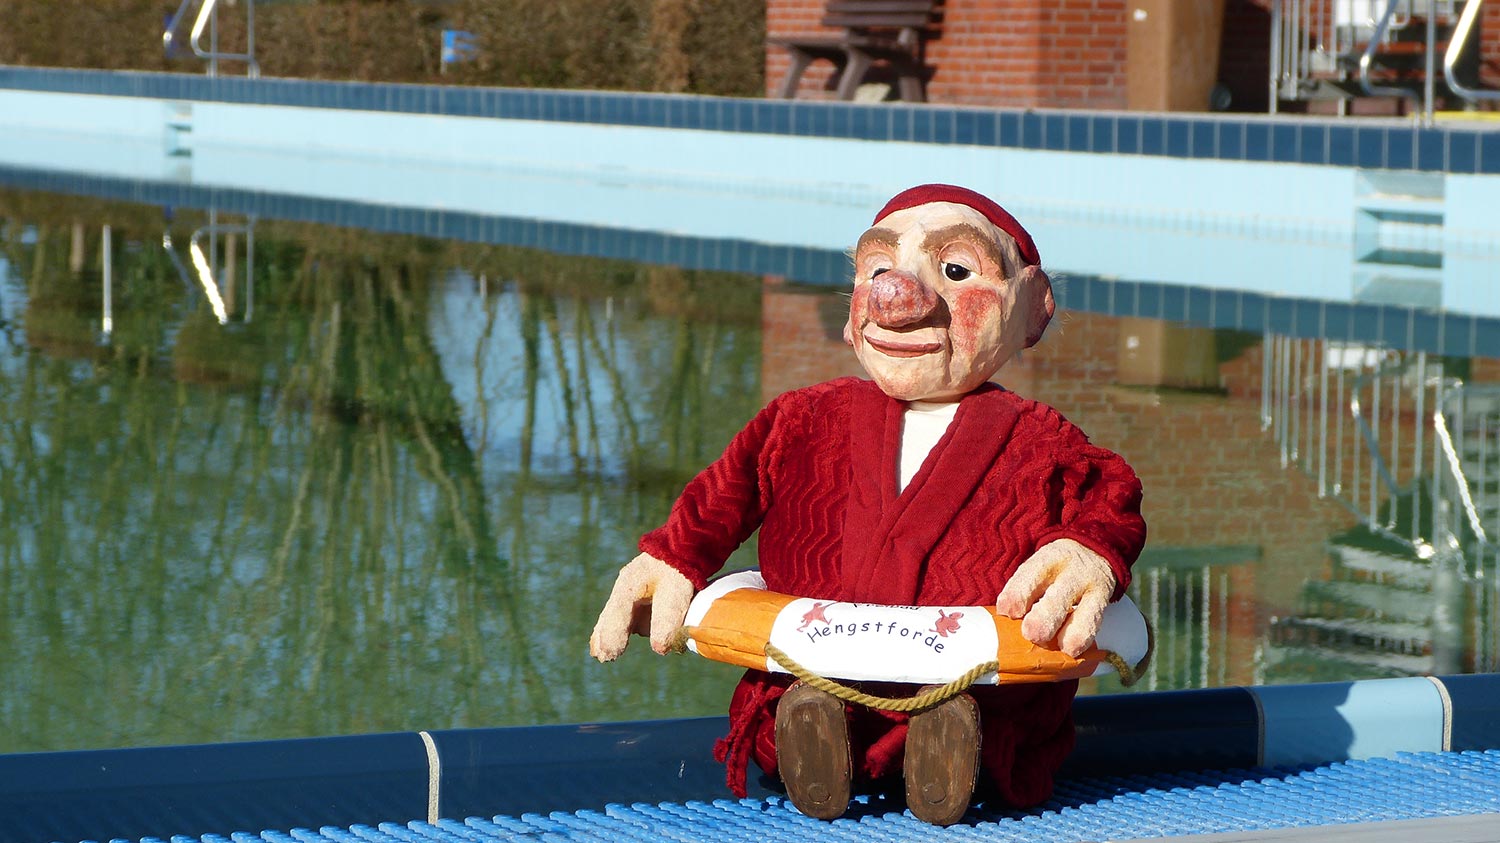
x=1410 y=786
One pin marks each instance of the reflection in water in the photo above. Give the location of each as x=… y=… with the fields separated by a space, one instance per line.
x=394 y=498
x=312 y=523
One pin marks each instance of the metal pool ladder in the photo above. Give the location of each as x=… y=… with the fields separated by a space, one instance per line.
x=208 y=18
x=1413 y=451
x=1332 y=49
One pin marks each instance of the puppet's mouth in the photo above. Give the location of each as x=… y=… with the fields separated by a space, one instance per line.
x=902 y=347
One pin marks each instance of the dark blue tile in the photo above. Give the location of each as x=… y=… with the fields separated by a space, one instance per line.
x=1078 y=128
x=1179 y=137
x=1128 y=135
x=1312 y=144
x=1102 y=134
x=840 y=119
x=1055 y=132
x=1009 y=127
x=1369 y=145
x=1463 y=152
x=1486 y=338
x=1031 y=130
x=901 y=120
x=1231 y=140
x=1400 y=148
x=1148 y=298
x=1306 y=317
x=1489 y=152
x=817 y=121
x=613 y=109
x=1174 y=303
x=1366 y=323
x=1338 y=321
x=1284 y=142
x=1127 y=300
x=943 y=127
x=1280 y=316
x=800 y=118
x=1153 y=136
x=922 y=125
x=1432 y=152
x=1205 y=141
x=777 y=118
x=677 y=113
x=1458 y=335
x=1425 y=331
x=1341 y=146
x=1205 y=729
x=870 y=122
x=512 y=102
x=568 y=108
x=1199 y=307
x=966 y=126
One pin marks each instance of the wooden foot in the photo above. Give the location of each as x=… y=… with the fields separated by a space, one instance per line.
x=942 y=760
x=812 y=751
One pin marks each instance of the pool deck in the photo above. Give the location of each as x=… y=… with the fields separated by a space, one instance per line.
x=1447 y=797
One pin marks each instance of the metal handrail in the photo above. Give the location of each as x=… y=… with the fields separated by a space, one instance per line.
x=208 y=18
x=1456 y=45
x=203 y=264
x=1367 y=59
x=1455 y=465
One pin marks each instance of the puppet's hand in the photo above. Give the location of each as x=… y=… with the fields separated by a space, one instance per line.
x=1061 y=591
x=650 y=597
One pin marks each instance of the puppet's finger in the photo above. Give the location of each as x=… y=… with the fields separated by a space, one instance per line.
x=669 y=608
x=1027 y=585
x=1046 y=617
x=611 y=632
x=612 y=629
x=1082 y=625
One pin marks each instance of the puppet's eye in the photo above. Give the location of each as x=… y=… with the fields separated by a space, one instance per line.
x=956 y=272
x=880 y=270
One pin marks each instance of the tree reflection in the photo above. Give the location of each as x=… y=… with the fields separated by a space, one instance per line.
x=392 y=501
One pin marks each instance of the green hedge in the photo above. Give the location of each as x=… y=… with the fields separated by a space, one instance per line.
x=696 y=46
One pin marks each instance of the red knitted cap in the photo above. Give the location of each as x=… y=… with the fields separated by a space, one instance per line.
x=922 y=194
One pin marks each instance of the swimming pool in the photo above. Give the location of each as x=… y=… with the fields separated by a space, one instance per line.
x=385 y=486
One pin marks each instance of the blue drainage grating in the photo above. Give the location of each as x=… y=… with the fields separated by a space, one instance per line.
x=1409 y=786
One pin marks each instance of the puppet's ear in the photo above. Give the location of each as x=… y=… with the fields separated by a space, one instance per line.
x=1036 y=287
x=849 y=330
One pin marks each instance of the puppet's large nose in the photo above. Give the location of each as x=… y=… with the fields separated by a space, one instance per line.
x=898 y=299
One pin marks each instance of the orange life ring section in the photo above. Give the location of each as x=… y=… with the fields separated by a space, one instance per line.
x=735 y=617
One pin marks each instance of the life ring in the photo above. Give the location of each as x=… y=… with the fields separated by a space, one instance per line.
x=738 y=621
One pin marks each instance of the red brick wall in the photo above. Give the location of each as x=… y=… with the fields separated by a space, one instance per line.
x=1489 y=45
x=1059 y=53
x=1017 y=53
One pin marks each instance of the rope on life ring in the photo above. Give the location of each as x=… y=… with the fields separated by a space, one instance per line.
x=930 y=697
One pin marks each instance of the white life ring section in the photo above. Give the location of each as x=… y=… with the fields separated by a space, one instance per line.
x=735 y=617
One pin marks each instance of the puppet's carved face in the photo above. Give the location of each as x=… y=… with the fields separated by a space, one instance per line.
x=941 y=302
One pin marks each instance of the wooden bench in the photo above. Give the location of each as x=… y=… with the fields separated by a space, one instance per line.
x=893 y=31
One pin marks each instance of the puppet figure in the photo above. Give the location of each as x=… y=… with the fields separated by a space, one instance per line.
x=927 y=485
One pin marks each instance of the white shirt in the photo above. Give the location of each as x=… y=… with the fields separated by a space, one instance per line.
x=922 y=425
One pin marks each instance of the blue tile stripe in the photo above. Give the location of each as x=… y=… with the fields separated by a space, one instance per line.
x=1383 y=144
x=1393 y=326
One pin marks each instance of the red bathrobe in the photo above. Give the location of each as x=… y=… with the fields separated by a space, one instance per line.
x=816 y=471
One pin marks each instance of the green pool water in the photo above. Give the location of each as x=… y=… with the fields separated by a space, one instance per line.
x=369 y=482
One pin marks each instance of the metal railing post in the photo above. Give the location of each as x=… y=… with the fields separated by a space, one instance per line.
x=1457 y=42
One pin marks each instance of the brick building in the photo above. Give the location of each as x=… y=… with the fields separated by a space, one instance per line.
x=1069 y=53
